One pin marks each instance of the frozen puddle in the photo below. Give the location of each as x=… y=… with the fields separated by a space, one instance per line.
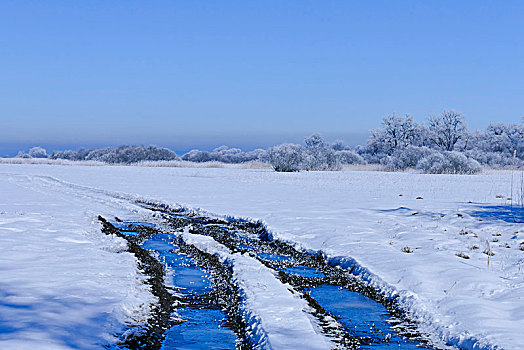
x=270 y=257
x=304 y=271
x=203 y=325
x=199 y=331
x=224 y=272
x=361 y=316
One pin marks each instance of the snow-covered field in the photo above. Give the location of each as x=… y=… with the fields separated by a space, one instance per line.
x=63 y=284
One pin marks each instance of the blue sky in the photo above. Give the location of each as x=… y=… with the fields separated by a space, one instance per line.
x=187 y=74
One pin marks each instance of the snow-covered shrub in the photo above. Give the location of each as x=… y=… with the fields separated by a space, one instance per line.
x=68 y=155
x=37 y=152
x=21 y=154
x=286 y=157
x=197 y=156
x=123 y=154
x=407 y=157
x=131 y=154
x=105 y=155
x=462 y=164
x=224 y=154
x=348 y=157
x=371 y=158
x=317 y=155
x=494 y=159
x=258 y=154
x=369 y=154
x=448 y=163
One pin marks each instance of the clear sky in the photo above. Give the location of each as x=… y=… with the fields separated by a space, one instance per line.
x=187 y=74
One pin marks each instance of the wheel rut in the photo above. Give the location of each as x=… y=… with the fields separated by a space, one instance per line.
x=348 y=311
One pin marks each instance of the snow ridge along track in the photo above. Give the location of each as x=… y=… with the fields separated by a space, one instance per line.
x=257 y=324
x=268 y=269
x=152 y=334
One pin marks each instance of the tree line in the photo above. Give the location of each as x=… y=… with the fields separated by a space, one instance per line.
x=443 y=144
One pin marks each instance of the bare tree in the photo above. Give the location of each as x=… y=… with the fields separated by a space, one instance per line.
x=447 y=129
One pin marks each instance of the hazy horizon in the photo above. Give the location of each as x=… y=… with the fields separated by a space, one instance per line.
x=181 y=145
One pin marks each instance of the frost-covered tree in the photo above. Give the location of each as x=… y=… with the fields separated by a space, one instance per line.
x=225 y=154
x=446 y=129
x=317 y=155
x=396 y=132
x=504 y=138
x=256 y=154
x=339 y=145
x=38 y=152
x=286 y=157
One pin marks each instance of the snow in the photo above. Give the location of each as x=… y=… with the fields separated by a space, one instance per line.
x=352 y=216
x=63 y=284
x=276 y=315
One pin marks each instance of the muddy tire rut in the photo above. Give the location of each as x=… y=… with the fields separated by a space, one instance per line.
x=307 y=273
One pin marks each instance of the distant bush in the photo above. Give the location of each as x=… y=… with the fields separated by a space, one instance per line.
x=21 y=154
x=339 y=145
x=197 y=156
x=286 y=157
x=348 y=157
x=494 y=159
x=225 y=154
x=228 y=155
x=408 y=157
x=37 y=152
x=131 y=154
x=123 y=154
x=317 y=155
x=67 y=155
x=431 y=161
x=448 y=163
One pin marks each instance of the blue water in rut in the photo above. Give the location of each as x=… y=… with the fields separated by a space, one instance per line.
x=203 y=326
x=360 y=316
